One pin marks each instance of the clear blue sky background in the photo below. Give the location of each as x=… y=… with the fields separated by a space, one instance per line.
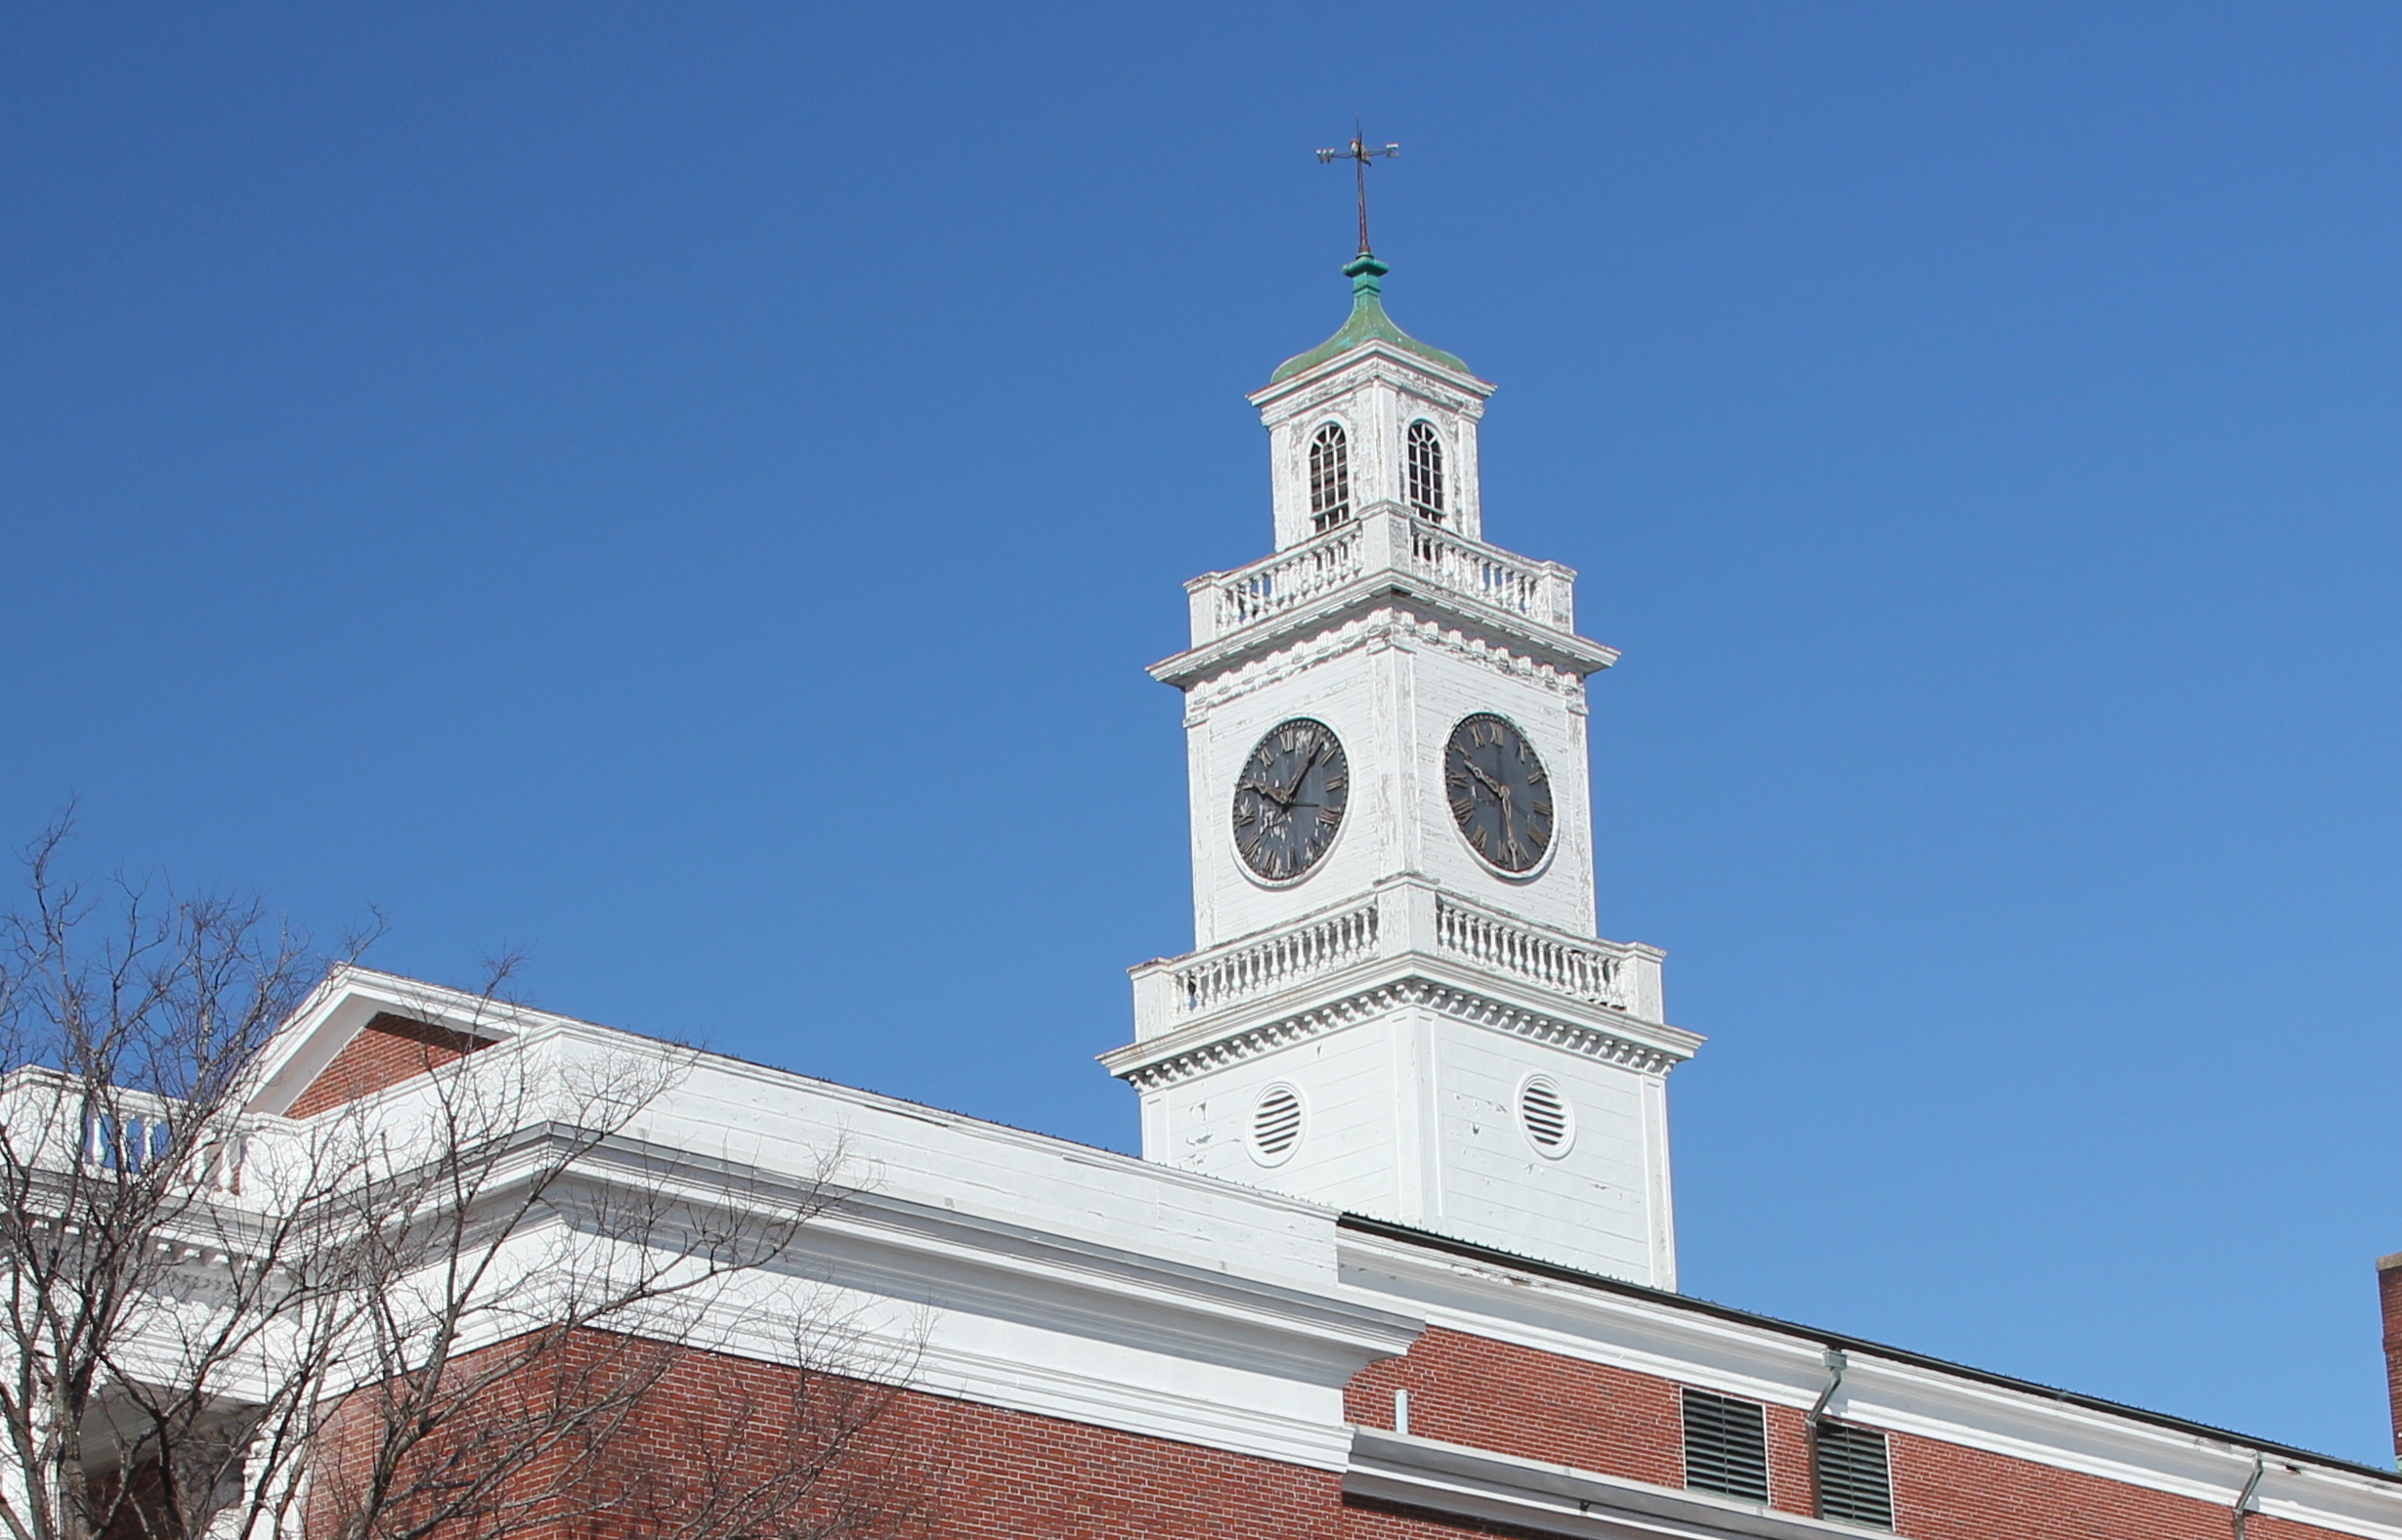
x=693 y=489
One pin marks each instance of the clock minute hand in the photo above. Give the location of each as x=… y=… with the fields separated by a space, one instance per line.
x=1303 y=774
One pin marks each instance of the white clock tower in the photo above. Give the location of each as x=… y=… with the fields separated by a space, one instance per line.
x=1398 y=1006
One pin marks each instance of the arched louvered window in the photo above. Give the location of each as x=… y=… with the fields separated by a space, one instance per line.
x=1330 y=477
x=1426 y=471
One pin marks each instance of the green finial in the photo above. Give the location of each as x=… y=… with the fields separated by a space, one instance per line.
x=1368 y=320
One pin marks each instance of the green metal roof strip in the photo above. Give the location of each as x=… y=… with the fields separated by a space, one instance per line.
x=1494 y=1255
x=1368 y=322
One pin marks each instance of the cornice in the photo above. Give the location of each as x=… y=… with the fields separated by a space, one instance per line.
x=1343 y=374
x=1008 y=1380
x=1389 y=625
x=1077 y=1283
x=1440 y=610
x=1374 y=351
x=1466 y=1482
x=1239 y=1034
x=1097 y=1313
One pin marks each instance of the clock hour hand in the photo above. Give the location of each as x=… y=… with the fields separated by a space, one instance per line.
x=1255 y=784
x=1266 y=791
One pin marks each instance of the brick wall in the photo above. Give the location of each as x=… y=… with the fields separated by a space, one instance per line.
x=386 y=1052
x=2390 y=1303
x=940 y=1468
x=1516 y=1400
x=926 y=1467
x=1945 y=1492
x=1470 y=1390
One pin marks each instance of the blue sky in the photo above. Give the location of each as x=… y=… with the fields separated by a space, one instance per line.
x=691 y=489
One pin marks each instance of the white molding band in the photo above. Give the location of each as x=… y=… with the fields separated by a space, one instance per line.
x=1462 y=1482
x=1471 y=1007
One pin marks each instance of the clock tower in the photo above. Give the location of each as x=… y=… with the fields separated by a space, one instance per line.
x=1399 y=1005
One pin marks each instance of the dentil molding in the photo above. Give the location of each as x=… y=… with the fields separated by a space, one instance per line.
x=1383 y=1000
x=1389 y=625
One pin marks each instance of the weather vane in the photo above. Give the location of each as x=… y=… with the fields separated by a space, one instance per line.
x=1359 y=155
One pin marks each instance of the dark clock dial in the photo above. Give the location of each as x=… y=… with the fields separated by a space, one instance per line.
x=1289 y=800
x=1500 y=796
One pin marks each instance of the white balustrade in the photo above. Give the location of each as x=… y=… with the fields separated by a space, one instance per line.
x=1508 y=947
x=136 y=1139
x=1380 y=540
x=1406 y=917
x=1319 y=947
x=1224 y=602
x=126 y=1140
x=221 y=1164
x=1542 y=592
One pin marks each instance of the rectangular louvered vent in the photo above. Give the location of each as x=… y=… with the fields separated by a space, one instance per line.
x=1855 y=1481
x=1726 y=1446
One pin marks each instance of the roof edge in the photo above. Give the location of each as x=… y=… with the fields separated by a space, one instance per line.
x=1493 y=1255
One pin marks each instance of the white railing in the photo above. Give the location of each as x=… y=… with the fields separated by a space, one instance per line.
x=132 y=1141
x=56 y=1122
x=1533 y=589
x=1381 y=539
x=222 y=1163
x=126 y=1140
x=1406 y=917
x=1508 y=947
x=1283 y=580
x=1210 y=981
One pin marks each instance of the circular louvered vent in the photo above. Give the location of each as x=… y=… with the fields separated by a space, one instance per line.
x=1275 y=1125
x=1545 y=1115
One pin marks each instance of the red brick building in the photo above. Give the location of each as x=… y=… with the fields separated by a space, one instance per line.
x=1118 y=1349
x=1399 y=1256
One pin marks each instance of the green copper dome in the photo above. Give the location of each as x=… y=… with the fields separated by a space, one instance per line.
x=1368 y=320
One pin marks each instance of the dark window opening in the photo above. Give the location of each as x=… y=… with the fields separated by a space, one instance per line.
x=1426 y=471
x=1330 y=478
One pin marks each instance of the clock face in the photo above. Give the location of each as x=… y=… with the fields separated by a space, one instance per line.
x=1289 y=800
x=1500 y=796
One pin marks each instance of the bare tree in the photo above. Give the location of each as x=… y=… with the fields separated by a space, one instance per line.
x=475 y=1307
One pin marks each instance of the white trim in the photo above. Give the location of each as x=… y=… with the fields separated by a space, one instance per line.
x=1499 y=1489
x=1467 y=385
x=1376 y=986
x=350 y=996
x=1432 y=606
